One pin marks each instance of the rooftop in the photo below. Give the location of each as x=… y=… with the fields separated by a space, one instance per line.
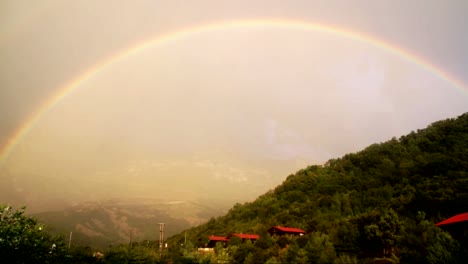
x=288 y=229
x=245 y=236
x=454 y=219
x=218 y=238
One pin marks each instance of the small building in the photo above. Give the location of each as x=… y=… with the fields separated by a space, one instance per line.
x=206 y=250
x=281 y=230
x=457 y=219
x=244 y=237
x=456 y=225
x=215 y=239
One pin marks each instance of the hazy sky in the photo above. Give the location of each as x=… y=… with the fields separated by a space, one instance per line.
x=227 y=113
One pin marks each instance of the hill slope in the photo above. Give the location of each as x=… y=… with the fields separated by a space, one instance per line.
x=379 y=204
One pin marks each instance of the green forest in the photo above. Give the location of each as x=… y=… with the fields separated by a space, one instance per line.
x=379 y=205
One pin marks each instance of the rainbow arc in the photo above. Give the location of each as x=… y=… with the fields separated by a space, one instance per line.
x=248 y=24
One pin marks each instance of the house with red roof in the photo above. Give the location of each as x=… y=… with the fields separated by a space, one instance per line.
x=457 y=219
x=244 y=237
x=456 y=225
x=282 y=230
x=215 y=239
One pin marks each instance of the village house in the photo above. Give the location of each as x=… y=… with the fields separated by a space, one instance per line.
x=244 y=237
x=281 y=231
x=456 y=225
x=215 y=239
x=276 y=230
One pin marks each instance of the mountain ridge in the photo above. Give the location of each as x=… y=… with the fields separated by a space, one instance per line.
x=100 y=224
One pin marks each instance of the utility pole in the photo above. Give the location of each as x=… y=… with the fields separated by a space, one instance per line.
x=161 y=238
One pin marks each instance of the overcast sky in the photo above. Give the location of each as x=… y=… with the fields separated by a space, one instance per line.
x=200 y=116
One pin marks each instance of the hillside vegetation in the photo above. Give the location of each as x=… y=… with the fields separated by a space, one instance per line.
x=378 y=205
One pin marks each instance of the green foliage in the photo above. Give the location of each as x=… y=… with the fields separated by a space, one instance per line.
x=283 y=241
x=320 y=249
x=222 y=256
x=240 y=252
x=24 y=240
x=292 y=254
x=386 y=232
x=133 y=253
x=82 y=255
x=346 y=259
x=443 y=249
x=234 y=241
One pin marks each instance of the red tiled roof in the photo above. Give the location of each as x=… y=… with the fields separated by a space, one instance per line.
x=289 y=229
x=454 y=219
x=217 y=238
x=246 y=236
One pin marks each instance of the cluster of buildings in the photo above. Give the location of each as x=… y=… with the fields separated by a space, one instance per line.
x=275 y=230
x=454 y=224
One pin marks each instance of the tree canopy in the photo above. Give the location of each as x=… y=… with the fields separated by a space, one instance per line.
x=24 y=240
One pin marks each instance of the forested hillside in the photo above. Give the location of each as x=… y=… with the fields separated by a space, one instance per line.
x=378 y=205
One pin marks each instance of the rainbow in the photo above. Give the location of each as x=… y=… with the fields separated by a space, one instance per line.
x=68 y=88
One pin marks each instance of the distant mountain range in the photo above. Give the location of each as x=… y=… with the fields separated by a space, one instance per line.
x=112 y=222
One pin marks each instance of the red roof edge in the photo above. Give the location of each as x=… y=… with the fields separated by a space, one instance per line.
x=218 y=238
x=454 y=219
x=246 y=236
x=289 y=229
